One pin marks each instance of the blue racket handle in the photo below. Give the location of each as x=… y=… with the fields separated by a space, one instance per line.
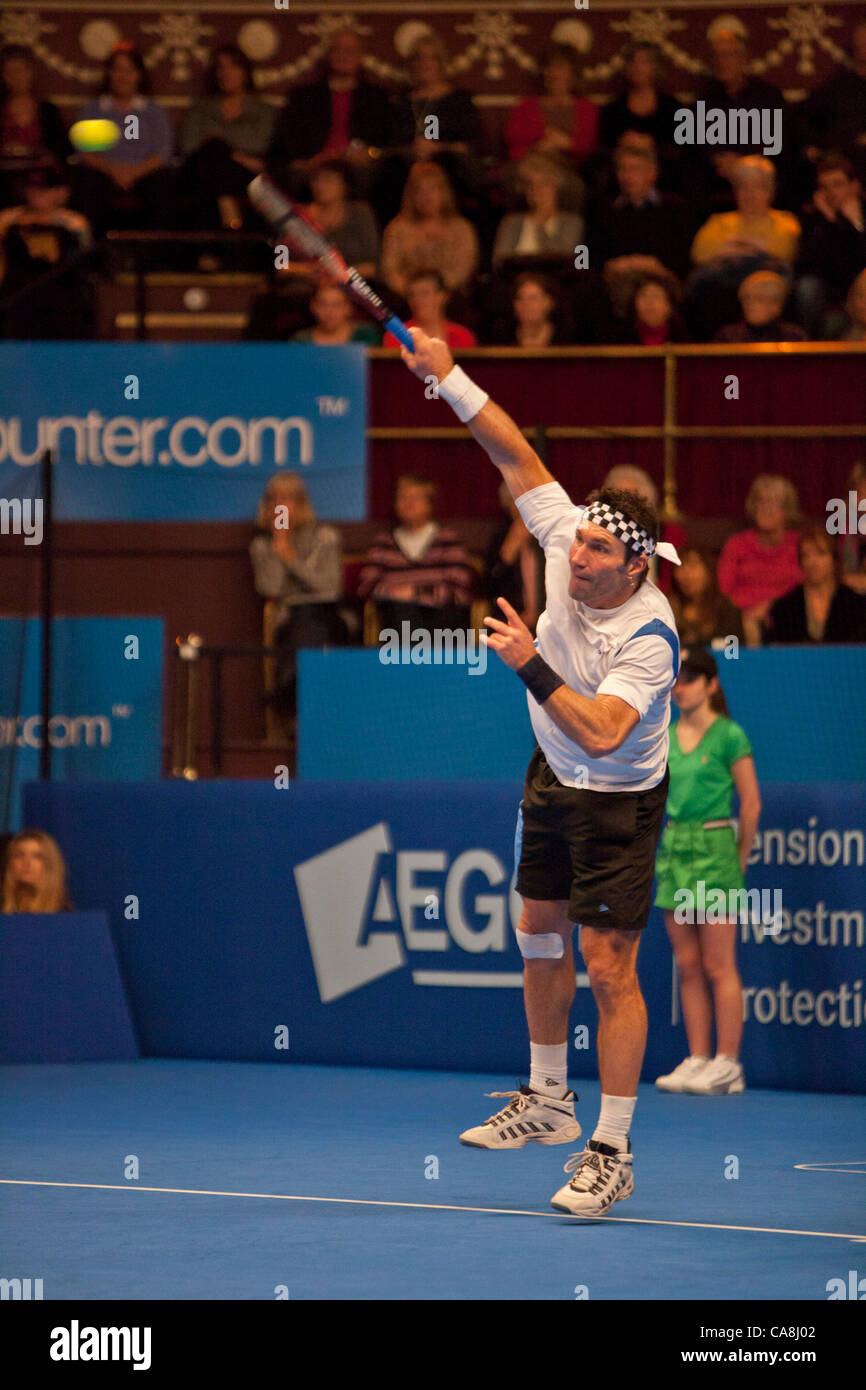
x=399 y=330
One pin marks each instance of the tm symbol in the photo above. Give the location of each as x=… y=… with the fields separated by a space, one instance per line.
x=121 y=711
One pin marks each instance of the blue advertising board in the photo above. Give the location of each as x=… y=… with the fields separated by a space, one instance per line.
x=802 y=708
x=372 y=924
x=180 y=431
x=106 y=701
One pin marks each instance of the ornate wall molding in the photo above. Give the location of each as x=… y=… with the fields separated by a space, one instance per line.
x=493 y=44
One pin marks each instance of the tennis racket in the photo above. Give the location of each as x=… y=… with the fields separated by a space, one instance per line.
x=300 y=233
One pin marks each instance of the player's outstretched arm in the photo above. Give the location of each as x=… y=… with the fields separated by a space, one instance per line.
x=495 y=431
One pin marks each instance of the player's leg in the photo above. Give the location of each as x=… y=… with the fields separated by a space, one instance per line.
x=724 y=1074
x=548 y=979
x=603 y=1171
x=610 y=956
x=543 y=1111
x=697 y=1005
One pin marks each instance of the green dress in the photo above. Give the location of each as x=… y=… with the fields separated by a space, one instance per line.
x=701 y=789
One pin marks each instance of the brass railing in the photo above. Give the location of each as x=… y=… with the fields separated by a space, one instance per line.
x=669 y=432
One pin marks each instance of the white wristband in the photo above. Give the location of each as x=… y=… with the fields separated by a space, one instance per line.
x=461 y=393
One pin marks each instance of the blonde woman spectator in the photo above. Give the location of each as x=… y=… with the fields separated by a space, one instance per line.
x=544 y=230
x=35 y=876
x=756 y=229
x=759 y=565
x=428 y=234
x=297 y=561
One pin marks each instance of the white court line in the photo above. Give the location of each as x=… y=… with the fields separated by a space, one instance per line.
x=428 y=1206
x=842 y=1165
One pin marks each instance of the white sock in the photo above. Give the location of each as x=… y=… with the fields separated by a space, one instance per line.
x=614 y=1121
x=549 y=1069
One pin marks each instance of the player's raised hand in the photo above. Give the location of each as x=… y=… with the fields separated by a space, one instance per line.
x=511 y=640
x=432 y=356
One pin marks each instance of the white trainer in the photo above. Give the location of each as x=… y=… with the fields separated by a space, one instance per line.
x=527 y=1118
x=602 y=1176
x=723 y=1076
x=681 y=1076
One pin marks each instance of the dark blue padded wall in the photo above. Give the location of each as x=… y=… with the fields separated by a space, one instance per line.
x=372 y=924
x=62 y=998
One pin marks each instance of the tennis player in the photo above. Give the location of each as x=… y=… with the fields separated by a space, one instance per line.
x=599 y=676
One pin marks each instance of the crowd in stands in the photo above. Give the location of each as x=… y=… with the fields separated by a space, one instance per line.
x=782 y=580
x=590 y=224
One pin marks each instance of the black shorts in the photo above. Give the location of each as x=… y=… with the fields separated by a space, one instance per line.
x=595 y=849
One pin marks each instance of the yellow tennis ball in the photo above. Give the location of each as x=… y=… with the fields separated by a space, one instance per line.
x=94 y=136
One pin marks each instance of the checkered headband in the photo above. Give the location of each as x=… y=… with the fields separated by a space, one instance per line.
x=633 y=536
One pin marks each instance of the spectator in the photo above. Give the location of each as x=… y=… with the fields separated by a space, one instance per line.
x=756 y=229
x=348 y=225
x=543 y=230
x=34 y=879
x=128 y=185
x=704 y=616
x=640 y=231
x=428 y=234
x=534 y=306
x=439 y=121
x=731 y=88
x=641 y=105
x=853 y=544
x=558 y=121
x=338 y=115
x=514 y=564
x=428 y=300
x=731 y=245
x=45 y=283
x=834 y=115
x=32 y=132
x=854 y=330
x=653 y=317
x=418 y=572
x=224 y=141
x=297 y=561
x=760 y=564
x=762 y=296
x=634 y=479
x=833 y=245
x=335 y=322
x=822 y=608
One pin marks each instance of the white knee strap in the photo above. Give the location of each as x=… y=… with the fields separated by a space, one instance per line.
x=546 y=945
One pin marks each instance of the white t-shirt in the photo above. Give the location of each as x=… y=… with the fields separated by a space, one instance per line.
x=631 y=651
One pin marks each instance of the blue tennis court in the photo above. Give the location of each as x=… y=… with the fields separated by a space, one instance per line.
x=259 y=1180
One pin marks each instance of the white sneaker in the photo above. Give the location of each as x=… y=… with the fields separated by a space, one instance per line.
x=603 y=1176
x=681 y=1076
x=527 y=1117
x=723 y=1076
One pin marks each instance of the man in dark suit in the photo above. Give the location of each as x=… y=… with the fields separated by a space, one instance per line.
x=731 y=88
x=339 y=115
x=641 y=229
